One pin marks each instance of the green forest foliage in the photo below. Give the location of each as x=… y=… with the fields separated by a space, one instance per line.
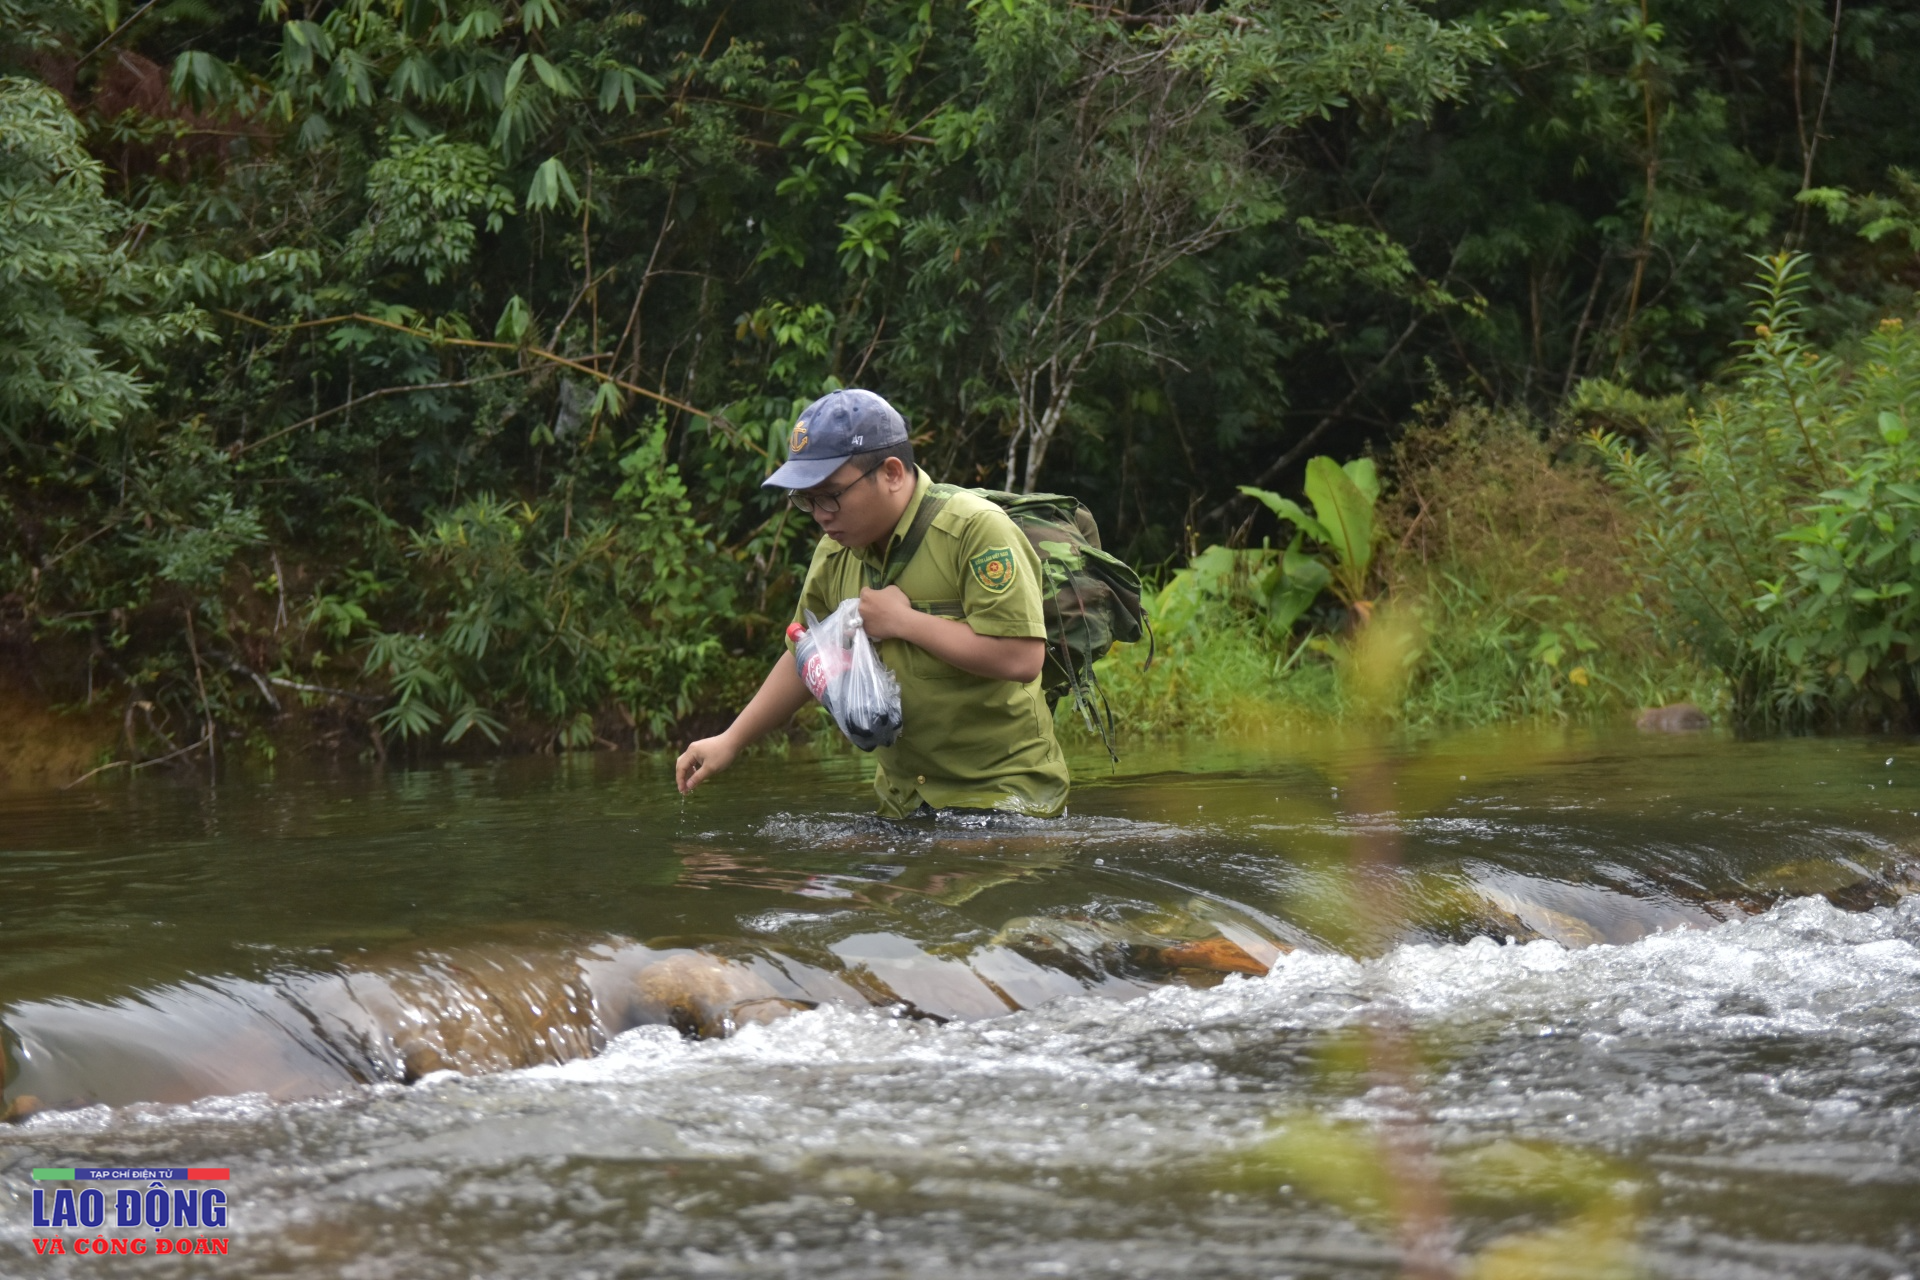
x=1781 y=520
x=417 y=361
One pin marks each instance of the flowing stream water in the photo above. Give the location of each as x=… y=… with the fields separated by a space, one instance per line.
x=1512 y=1004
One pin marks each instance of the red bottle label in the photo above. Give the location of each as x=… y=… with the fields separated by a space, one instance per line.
x=814 y=676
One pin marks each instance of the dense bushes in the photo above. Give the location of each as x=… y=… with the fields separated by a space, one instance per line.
x=550 y=619
x=1779 y=520
x=1513 y=548
x=1501 y=577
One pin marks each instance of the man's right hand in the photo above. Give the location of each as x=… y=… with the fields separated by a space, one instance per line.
x=701 y=760
x=781 y=694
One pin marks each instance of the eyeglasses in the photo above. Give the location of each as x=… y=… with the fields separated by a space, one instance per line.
x=828 y=503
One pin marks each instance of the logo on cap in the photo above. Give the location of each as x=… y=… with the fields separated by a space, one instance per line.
x=797 y=442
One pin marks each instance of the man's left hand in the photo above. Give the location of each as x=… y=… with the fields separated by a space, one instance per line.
x=886 y=614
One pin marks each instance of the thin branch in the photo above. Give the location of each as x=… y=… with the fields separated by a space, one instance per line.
x=105 y=528
x=1641 y=253
x=646 y=279
x=114 y=34
x=1580 y=330
x=442 y=340
x=585 y=289
x=1320 y=428
x=349 y=694
x=200 y=682
x=867 y=355
x=374 y=395
x=1826 y=90
x=238 y=667
x=130 y=765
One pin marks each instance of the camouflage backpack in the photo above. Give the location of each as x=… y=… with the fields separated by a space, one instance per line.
x=1091 y=599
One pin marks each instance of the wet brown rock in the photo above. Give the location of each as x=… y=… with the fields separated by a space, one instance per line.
x=707 y=996
x=1218 y=955
x=1677 y=717
x=21 y=1107
x=1543 y=921
x=475 y=1010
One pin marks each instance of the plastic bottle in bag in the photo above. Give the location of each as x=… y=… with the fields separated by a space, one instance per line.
x=817 y=670
x=840 y=666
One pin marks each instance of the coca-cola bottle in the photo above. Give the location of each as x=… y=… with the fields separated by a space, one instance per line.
x=817 y=667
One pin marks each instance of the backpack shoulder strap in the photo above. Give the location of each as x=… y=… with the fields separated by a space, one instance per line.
x=902 y=555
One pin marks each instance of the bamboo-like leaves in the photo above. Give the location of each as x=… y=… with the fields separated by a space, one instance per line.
x=516 y=318
x=551 y=181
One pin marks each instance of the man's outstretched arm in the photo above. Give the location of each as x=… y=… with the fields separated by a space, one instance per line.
x=781 y=695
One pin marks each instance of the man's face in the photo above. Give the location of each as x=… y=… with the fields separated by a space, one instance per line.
x=868 y=504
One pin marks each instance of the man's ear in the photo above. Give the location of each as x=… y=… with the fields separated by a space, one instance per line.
x=895 y=472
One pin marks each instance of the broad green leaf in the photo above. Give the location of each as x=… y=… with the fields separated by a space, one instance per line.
x=1364 y=476
x=1289 y=510
x=1347 y=514
x=1304 y=571
x=1302 y=579
x=481 y=23
x=619 y=84
x=1213 y=569
x=472 y=716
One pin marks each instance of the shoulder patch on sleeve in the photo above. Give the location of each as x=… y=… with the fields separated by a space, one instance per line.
x=994 y=568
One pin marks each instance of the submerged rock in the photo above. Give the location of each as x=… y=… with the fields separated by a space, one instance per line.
x=534 y=998
x=502 y=1006
x=1844 y=883
x=709 y=997
x=1541 y=921
x=1677 y=717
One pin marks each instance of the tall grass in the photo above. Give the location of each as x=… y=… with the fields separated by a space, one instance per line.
x=1513 y=548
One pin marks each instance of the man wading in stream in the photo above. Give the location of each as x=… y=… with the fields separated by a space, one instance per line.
x=961 y=626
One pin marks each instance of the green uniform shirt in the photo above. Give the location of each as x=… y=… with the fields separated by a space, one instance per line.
x=966 y=741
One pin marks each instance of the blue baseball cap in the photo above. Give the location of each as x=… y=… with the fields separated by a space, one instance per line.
x=834 y=428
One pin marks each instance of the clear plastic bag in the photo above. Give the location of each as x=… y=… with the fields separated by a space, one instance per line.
x=843 y=670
